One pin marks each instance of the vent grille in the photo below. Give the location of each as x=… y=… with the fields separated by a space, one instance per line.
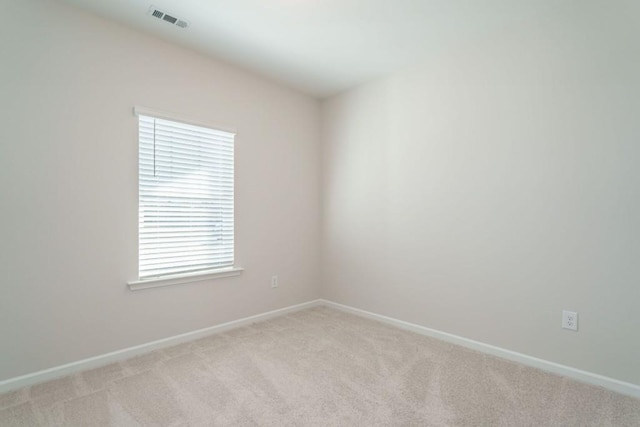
x=157 y=13
x=170 y=19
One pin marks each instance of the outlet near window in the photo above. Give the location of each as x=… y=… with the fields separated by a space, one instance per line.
x=570 y=320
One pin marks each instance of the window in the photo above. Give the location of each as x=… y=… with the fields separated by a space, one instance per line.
x=186 y=222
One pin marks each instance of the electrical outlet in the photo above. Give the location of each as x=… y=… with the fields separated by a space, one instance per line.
x=274 y=281
x=570 y=320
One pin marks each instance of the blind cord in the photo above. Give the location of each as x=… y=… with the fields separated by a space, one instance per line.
x=154 y=147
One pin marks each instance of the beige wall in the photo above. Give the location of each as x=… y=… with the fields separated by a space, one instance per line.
x=483 y=192
x=68 y=187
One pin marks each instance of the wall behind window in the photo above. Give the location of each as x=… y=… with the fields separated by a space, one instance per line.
x=484 y=191
x=68 y=186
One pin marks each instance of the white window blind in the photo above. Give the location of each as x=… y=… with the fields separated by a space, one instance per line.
x=185 y=198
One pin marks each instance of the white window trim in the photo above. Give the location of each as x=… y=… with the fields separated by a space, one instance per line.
x=198 y=276
x=144 y=111
x=178 y=279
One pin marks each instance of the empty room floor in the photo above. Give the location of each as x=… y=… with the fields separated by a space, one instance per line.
x=316 y=367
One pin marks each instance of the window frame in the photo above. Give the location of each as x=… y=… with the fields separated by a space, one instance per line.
x=182 y=277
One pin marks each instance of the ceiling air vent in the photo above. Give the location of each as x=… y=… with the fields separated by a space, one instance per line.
x=157 y=13
x=170 y=19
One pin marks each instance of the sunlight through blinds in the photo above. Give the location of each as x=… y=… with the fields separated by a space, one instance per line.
x=185 y=198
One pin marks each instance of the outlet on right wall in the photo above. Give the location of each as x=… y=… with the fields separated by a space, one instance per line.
x=484 y=191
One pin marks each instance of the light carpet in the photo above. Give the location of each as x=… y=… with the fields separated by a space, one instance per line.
x=316 y=367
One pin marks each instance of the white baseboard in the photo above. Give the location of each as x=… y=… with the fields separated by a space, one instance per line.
x=115 y=356
x=556 y=368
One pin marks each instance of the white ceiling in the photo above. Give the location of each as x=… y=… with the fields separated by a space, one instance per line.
x=324 y=46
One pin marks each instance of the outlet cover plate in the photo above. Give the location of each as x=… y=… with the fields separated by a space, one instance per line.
x=570 y=320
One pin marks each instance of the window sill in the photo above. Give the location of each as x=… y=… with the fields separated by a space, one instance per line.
x=177 y=279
